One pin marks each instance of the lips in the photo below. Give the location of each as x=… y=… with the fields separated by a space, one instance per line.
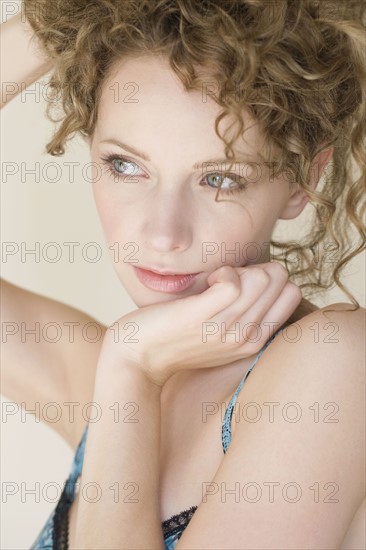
x=170 y=283
x=164 y=271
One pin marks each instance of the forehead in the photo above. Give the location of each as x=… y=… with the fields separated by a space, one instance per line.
x=144 y=86
x=146 y=80
x=144 y=98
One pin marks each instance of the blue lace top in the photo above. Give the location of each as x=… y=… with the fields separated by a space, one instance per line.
x=54 y=535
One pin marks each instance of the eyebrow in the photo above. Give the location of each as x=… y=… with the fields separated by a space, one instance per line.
x=239 y=160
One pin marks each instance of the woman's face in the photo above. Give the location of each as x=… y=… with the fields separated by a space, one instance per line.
x=161 y=213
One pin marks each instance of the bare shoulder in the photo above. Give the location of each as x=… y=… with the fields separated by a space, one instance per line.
x=326 y=345
x=335 y=331
x=315 y=370
x=320 y=356
x=314 y=374
x=298 y=448
x=49 y=357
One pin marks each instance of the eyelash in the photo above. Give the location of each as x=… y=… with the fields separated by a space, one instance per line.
x=242 y=184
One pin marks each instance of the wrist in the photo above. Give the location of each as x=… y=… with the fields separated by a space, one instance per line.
x=129 y=359
x=121 y=370
x=136 y=376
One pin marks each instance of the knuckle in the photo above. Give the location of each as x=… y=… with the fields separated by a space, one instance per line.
x=278 y=270
x=258 y=275
x=295 y=290
x=225 y=270
x=252 y=346
x=227 y=275
x=232 y=288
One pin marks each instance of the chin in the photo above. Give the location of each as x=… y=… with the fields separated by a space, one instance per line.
x=156 y=298
x=148 y=297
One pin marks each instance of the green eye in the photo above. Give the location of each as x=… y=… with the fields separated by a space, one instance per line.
x=216 y=178
x=227 y=183
x=120 y=164
x=122 y=168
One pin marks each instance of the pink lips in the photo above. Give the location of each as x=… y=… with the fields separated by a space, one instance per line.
x=164 y=283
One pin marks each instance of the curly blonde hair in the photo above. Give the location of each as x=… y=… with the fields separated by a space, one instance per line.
x=298 y=67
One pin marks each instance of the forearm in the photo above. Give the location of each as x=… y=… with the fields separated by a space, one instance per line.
x=22 y=62
x=122 y=461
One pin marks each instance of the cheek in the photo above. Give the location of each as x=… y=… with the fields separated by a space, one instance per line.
x=238 y=225
x=109 y=214
x=243 y=240
x=227 y=243
x=102 y=198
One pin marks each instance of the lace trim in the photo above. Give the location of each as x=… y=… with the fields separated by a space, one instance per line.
x=60 y=531
x=175 y=525
x=178 y=522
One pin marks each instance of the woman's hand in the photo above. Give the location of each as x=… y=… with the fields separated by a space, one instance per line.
x=230 y=320
x=22 y=62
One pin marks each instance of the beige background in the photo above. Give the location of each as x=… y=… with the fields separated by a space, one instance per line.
x=60 y=212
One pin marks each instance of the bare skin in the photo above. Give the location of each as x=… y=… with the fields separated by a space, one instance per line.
x=174 y=498
x=192 y=451
x=54 y=377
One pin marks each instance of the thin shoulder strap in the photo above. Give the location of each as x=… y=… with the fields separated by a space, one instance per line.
x=77 y=463
x=226 y=426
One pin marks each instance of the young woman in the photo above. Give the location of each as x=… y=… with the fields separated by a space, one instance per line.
x=207 y=122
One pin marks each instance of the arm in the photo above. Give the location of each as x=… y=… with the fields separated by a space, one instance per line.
x=293 y=479
x=34 y=369
x=122 y=462
x=22 y=63
x=125 y=452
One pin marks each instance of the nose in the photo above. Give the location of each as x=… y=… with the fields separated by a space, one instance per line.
x=168 y=222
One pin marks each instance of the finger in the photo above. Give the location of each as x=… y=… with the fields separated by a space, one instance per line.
x=283 y=308
x=259 y=333
x=257 y=296
x=224 y=290
x=223 y=274
x=253 y=283
x=278 y=278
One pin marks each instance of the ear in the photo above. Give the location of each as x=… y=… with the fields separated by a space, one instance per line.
x=298 y=199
